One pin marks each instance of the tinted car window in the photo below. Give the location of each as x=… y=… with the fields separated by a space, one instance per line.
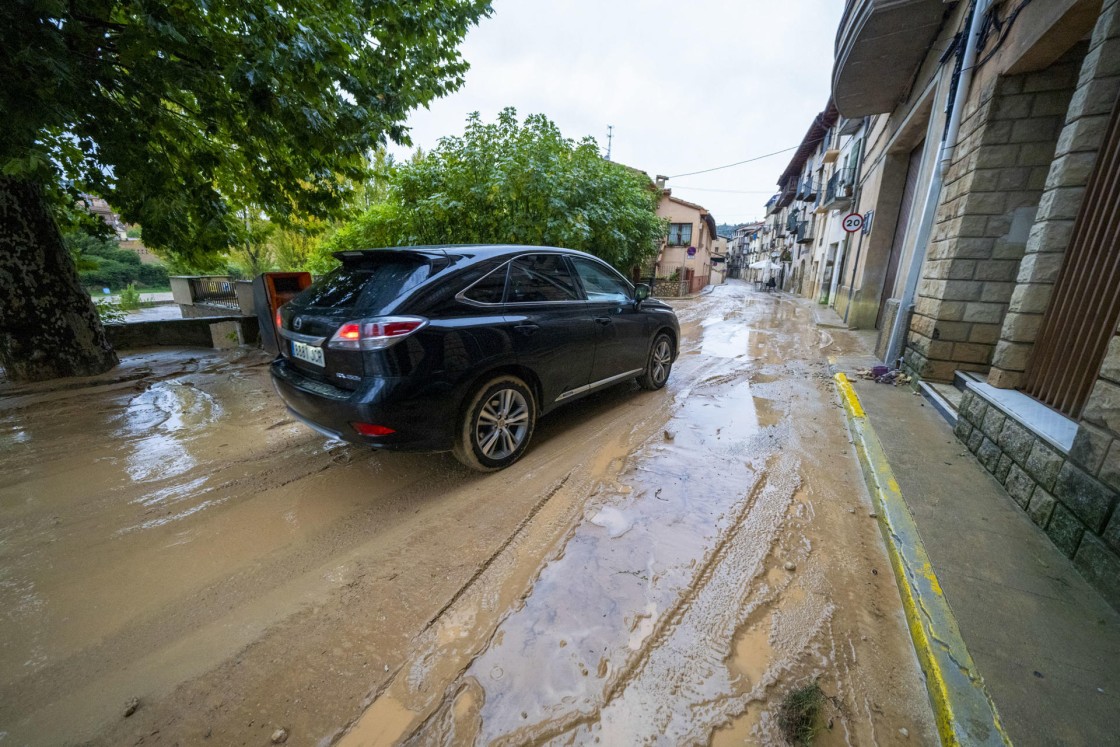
x=490 y=289
x=600 y=283
x=541 y=277
x=369 y=285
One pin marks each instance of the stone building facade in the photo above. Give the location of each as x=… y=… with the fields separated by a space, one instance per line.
x=991 y=193
x=988 y=278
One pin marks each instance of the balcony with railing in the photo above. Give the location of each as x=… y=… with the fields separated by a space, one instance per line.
x=879 y=45
x=838 y=190
x=804 y=232
x=807 y=190
x=785 y=197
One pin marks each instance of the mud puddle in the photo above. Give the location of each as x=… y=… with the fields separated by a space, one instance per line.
x=166 y=533
x=691 y=592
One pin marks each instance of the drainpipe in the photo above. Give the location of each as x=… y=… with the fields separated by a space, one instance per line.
x=838 y=262
x=944 y=159
x=856 y=197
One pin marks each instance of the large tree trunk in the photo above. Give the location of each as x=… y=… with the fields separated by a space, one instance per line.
x=49 y=327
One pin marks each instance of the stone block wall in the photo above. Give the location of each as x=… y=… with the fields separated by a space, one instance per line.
x=179 y=332
x=1073 y=504
x=1080 y=139
x=667 y=288
x=988 y=203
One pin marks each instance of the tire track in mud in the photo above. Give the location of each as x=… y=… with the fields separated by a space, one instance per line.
x=424 y=574
x=693 y=645
x=702 y=370
x=683 y=596
x=555 y=452
x=689 y=681
x=398 y=702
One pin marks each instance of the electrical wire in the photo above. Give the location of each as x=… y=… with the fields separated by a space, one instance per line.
x=728 y=191
x=737 y=163
x=1004 y=29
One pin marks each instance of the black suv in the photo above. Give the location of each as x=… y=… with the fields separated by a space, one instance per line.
x=463 y=347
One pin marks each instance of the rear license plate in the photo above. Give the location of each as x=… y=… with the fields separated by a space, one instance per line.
x=308 y=353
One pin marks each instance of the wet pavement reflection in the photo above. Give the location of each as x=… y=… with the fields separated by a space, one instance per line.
x=670 y=606
x=659 y=568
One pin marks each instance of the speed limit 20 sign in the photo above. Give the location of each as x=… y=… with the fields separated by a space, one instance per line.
x=853 y=222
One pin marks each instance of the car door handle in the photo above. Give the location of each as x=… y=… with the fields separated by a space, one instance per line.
x=527 y=329
x=604 y=320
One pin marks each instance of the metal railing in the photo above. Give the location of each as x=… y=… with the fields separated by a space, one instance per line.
x=807 y=190
x=804 y=232
x=213 y=291
x=839 y=187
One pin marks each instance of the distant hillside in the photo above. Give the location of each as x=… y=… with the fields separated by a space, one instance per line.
x=727 y=230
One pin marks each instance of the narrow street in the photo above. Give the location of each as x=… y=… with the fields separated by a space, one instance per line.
x=661 y=567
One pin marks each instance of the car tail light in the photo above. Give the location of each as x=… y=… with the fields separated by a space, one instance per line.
x=375 y=334
x=279 y=322
x=369 y=429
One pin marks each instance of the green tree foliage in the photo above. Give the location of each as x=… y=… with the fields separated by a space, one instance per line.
x=183 y=112
x=512 y=183
x=252 y=253
x=170 y=110
x=295 y=246
x=102 y=263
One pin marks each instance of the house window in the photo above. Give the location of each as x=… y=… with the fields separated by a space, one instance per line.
x=680 y=234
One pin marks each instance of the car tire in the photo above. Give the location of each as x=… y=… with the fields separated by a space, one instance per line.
x=659 y=364
x=496 y=425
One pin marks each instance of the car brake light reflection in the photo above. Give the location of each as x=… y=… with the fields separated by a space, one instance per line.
x=369 y=429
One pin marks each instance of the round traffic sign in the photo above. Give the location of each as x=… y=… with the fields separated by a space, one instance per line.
x=853 y=222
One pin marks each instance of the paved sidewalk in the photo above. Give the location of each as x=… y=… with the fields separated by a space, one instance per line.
x=1046 y=644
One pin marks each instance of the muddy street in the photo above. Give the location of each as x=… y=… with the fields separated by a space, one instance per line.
x=661 y=567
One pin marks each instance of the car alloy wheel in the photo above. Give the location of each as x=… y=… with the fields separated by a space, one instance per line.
x=497 y=425
x=659 y=365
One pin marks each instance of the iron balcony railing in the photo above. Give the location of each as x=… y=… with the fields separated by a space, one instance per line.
x=804 y=232
x=807 y=190
x=785 y=197
x=839 y=188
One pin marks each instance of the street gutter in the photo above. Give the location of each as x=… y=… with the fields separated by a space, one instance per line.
x=963 y=710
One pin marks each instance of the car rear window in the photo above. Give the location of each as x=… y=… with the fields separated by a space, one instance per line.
x=369 y=285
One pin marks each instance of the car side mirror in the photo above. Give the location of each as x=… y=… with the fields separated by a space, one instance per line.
x=641 y=292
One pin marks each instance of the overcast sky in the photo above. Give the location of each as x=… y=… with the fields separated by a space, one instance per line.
x=688 y=85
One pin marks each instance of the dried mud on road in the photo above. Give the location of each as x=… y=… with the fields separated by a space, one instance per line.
x=659 y=568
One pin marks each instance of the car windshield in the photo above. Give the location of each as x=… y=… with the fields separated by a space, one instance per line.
x=368 y=285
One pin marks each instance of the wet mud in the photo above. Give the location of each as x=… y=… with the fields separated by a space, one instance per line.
x=659 y=568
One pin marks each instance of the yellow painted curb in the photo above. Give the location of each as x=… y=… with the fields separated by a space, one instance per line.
x=963 y=710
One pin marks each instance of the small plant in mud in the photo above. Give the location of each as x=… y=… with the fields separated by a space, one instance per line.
x=109 y=311
x=130 y=297
x=799 y=715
